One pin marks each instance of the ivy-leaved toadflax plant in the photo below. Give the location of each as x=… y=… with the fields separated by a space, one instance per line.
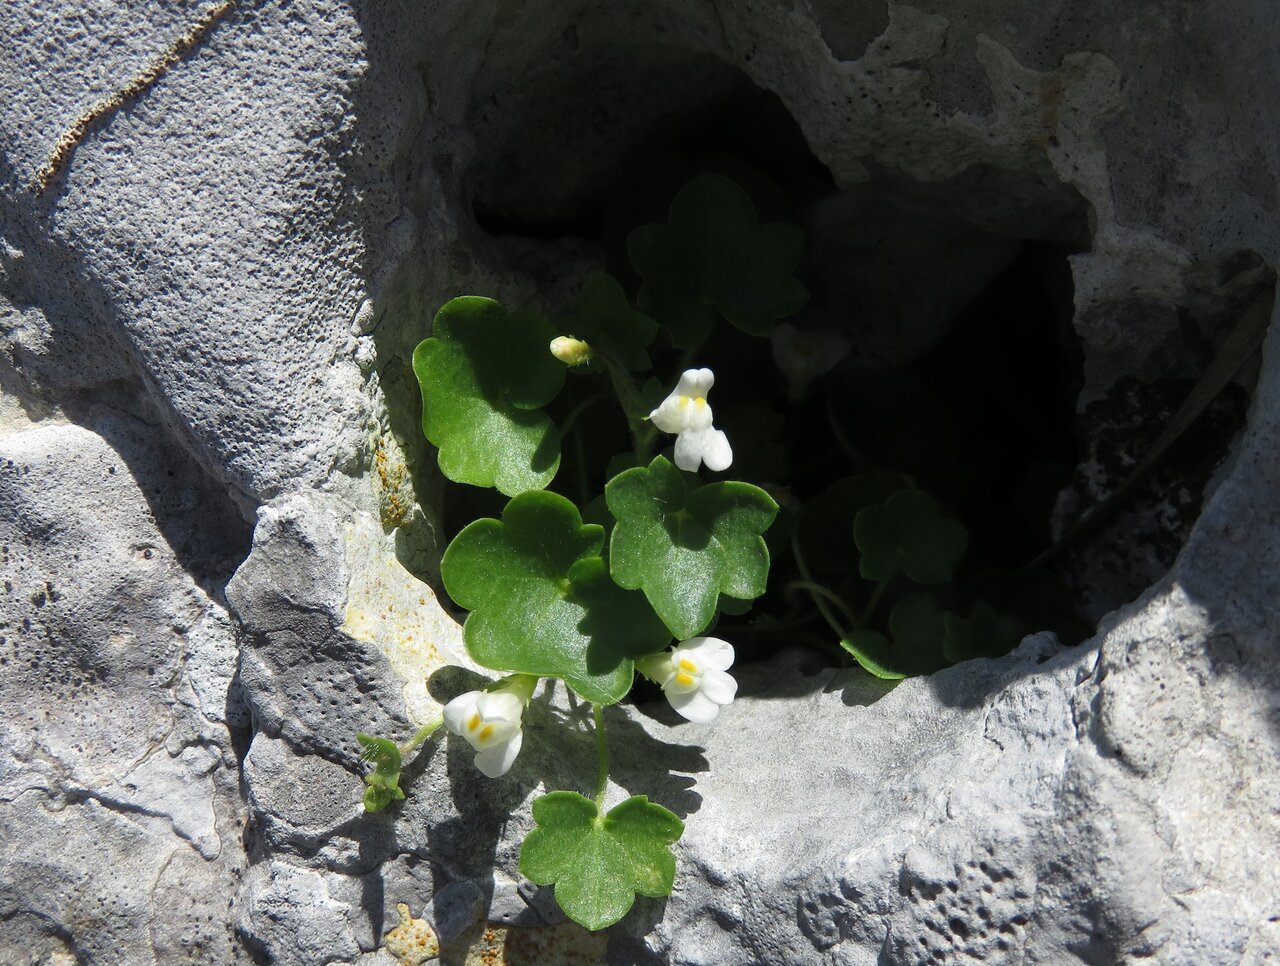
x=622 y=545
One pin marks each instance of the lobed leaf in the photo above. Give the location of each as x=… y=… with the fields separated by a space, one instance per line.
x=825 y=527
x=908 y=534
x=984 y=633
x=918 y=629
x=605 y=320
x=542 y=601
x=483 y=374
x=599 y=864
x=685 y=547
x=714 y=257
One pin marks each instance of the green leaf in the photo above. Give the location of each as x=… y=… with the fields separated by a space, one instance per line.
x=542 y=602
x=907 y=533
x=984 y=633
x=483 y=374
x=825 y=529
x=384 y=780
x=605 y=320
x=685 y=547
x=1038 y=598
x=713 y=256
x=600 y=864
x=896 y=420
x=732 y=606
x=918 y=630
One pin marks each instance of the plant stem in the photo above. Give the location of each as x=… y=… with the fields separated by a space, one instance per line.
x=580 y=458
x=602 y=756
x=642 y=432
x=822 y=593
x=809 y=584
x=578 y=410
x=422 y=734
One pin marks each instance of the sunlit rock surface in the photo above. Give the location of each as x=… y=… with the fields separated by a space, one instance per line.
x=206 y=321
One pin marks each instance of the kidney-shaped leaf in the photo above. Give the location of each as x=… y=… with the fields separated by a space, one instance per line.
x=685 y=547
x=599 y=864
x=713 y=255
x=918 y=629
x=483 y=373
x=825 y=528
x=908 y=533
x=984 y=633
x=542 y=601
x=605 y=320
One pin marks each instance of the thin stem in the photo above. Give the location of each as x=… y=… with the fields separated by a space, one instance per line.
x=642 y=431
x=602 y=756
x=578 y=410
x=809 y=584
x=869 y=611
x=822 y=593
x=850 y=450
x=580 y=457
x=422 y=734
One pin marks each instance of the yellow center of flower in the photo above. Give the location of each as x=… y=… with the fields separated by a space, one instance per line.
x=686 y=672
x=485 y=732
x=698 y=402
x=473 y=722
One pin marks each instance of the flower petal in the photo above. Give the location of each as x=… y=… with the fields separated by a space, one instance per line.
x=719 y=686
x=669 y=416
x=496 y=760
x=710 y=652
x=689 y=450
x=695 y=382
x=716 y=451
x=457 y=711
x=693 y=705
x=498 y=706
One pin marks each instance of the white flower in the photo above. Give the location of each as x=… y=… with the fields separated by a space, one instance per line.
x=687 y=413
x=694 y=676
x=491 y=722
x=805 y=354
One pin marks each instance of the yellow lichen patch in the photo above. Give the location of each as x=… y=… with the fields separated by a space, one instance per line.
x=412 y=942
x=398 y=614
x=395 y=489
x=566 y=944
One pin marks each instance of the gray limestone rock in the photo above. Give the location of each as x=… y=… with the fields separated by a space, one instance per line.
x=119 y=775
x=206 y=321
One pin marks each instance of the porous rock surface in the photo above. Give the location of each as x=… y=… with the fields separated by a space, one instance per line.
x=210 y=475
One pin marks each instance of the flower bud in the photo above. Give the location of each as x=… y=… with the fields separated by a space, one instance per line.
x=570 y=351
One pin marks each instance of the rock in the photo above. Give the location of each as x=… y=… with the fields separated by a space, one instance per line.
x=217 y=298
x=120 y=774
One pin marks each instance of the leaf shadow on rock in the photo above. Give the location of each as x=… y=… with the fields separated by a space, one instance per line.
x=559 y=749
x=797 y=672
x=558 y=752
x=971 y=684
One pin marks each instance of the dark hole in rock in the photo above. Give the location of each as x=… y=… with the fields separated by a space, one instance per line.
x=960 y=291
